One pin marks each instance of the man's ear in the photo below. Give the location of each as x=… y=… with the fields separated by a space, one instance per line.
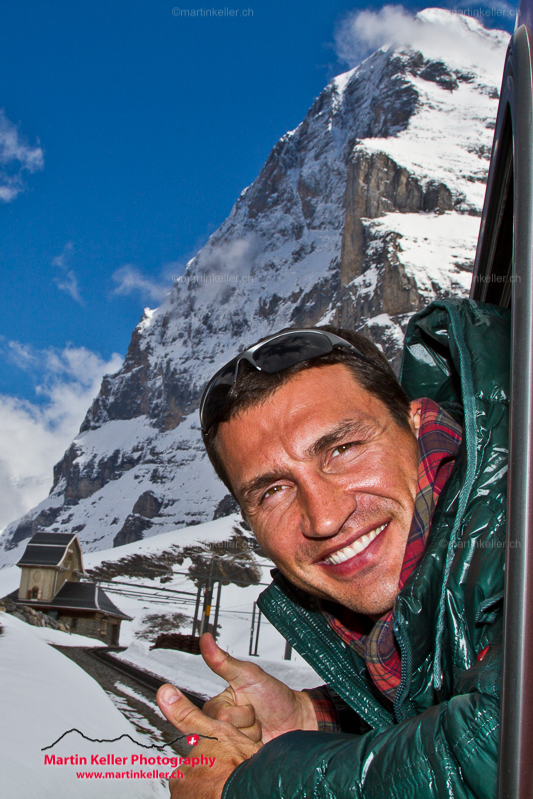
x=415 y=416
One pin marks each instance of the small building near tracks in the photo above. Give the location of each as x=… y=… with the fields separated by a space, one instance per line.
x=51 y=573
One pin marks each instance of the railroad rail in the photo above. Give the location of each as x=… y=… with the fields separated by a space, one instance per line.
x=143 y=677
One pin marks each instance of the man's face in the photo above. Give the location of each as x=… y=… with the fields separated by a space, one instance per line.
x=327 y=480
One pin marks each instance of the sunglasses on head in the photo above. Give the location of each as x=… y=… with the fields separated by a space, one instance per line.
x=274 y=354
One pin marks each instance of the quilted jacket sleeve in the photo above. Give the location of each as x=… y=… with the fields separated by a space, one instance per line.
x=450 y=750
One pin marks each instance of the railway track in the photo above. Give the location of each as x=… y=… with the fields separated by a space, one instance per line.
x=132 y=690
x=144 y=678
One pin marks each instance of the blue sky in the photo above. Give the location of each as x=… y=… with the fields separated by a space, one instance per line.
x=127 y=134
x=151 y=125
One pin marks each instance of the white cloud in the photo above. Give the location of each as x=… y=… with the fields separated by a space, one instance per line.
x=33 y=437
x=232 y=257
x=68 y=282
x=436 y=32
x=214 y=259
x=129 y=280
x=219 y=262
x=16 y=158
x=61 y=260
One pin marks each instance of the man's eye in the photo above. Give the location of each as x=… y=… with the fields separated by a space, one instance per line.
x=341 y=449
x=273 y=490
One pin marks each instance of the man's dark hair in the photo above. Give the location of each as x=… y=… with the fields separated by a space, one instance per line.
x=253 y=387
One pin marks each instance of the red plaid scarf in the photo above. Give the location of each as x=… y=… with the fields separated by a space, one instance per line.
x=439 y=440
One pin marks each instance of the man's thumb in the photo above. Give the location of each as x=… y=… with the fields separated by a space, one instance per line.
x=181 y=712
x=222 y=663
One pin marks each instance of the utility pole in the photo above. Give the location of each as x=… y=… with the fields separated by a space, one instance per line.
x=217 y=608
x=288 y=651
x=208 y=597
x=252 y=632
x=257 y=632
x=197 y=607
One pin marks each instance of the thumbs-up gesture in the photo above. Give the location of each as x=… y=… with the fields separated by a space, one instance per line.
x=218 y=748
x=259 y=705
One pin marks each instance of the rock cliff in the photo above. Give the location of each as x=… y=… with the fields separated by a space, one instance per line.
x=360 y=216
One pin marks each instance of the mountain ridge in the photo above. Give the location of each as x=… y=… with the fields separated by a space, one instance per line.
x=360 y=216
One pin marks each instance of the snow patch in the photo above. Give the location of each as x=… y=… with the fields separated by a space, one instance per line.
x=43 y=694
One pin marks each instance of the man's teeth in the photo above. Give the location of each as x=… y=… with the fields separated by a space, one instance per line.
x=355 y=548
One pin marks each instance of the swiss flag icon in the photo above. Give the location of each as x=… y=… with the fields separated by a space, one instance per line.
x=192 y=740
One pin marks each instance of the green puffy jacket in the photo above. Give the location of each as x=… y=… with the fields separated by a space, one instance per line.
x=441 y=737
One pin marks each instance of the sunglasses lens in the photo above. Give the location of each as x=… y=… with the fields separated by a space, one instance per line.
x=214 y=405
x=271 y=357
x=217 y=394
x=290 y=349
x=226 y=376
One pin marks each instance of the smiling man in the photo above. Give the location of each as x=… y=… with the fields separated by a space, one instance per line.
x=327 y=479
x=385 y=517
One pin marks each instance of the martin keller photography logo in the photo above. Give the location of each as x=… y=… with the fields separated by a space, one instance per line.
x=132 y=763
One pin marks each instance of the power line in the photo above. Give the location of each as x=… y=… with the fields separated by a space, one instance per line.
x=147 y=587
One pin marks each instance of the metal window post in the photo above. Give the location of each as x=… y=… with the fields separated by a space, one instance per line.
x=516 y=741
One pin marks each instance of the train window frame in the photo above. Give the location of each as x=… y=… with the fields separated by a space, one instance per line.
x=503 y=275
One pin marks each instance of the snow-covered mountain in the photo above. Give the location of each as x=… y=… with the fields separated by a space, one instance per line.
x=360 y=216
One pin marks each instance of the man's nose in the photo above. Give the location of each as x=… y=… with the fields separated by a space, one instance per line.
x=325 y=506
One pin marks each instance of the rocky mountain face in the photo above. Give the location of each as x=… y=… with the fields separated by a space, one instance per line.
x=362 y=215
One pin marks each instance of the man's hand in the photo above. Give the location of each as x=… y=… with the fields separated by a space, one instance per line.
x=224 y=754
x=255 y=702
